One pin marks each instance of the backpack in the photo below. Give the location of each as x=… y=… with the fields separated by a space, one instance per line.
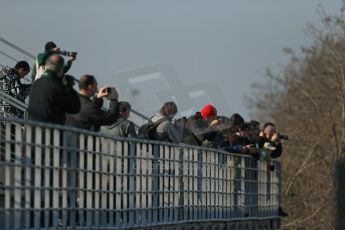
x=180 y=125
x=148 y=130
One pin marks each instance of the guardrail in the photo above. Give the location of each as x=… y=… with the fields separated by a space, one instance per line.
x=12 y=101
x=61 y=177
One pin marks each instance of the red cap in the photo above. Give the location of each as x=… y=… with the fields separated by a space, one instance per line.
x=208 y=111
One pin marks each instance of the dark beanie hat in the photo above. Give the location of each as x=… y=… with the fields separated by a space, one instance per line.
x=50 y=45
x=208 y=111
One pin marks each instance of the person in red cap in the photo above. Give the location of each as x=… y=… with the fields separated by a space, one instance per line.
x=208 y=111
x=202 y=126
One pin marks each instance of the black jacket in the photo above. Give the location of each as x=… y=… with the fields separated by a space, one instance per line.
x=197 y=130
x=92 y=116
x=50 y=100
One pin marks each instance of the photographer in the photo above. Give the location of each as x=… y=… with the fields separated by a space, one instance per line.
x=52 y=96
x=10 y=83
x=166 y=131
x=122 y=127
x=202 y=126
x=50 y=48
x=91 y=115
x=270 y=135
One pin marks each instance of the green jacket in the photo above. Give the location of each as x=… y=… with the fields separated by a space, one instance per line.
x=41 y=60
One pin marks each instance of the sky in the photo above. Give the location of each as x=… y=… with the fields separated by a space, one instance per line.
x=190 y=51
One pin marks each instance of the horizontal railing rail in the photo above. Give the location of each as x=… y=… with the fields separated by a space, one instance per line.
x=8 y=100
x=62 y=177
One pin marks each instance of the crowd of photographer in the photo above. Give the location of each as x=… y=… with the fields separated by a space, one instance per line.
x=53 y=99
x=206 y=129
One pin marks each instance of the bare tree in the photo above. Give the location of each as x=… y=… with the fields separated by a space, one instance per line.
x=307 y=101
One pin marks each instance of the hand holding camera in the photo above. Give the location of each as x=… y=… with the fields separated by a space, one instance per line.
x=68 y=81
x=108 y=92
x=215 y=122
x=112 y=93
x=102 y=92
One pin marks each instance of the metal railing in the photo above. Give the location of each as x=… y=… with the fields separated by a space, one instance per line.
x=62 y=177
x=6 y=99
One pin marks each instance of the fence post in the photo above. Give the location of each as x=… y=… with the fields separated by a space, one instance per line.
x=155 y=182
x=132 y=174
x=181 y=199
x=72 y=194
x=340 y=191
x=38 y=177
x=28 y=177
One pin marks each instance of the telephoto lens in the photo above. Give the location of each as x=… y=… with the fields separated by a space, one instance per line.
x=68 y=53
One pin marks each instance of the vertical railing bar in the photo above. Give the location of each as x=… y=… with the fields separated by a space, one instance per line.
x=81 y=177
x=279 y=192
x=144 y=187
x=242 y=194
x=190 y=176
x=132 y=185
x=64 y=186
x=186 y=183
x=105 y=179
x=28 y=178
x=227 y=189
x=119 y=185
x=97 y=174
x=8 y=174
x=161 y=205
x=48 y=161
x=217 y=186
x=176 y=182
x=38 y=165
x=125 y=182
x=155 y=182
x=208 y=184
x=149 y=183
x=165 y=174
x=89 y=180
x=72 y=194
x=139 y=191
x=182 y=165
x=204 y=183
x=17 y=175
x=221 y=200
x=171 y=183
x=111 y=180
x=213 y=190
x=56 y=177
x=199 y=185
x=195 y=184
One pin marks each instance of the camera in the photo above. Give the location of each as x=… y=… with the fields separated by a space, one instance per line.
x=69 y=80
x=283 y=136
x=68 y=53
x=108 y=90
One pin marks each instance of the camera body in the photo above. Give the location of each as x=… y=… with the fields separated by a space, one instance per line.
x=109 y=90
x=68 y=53
x=283 y=136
